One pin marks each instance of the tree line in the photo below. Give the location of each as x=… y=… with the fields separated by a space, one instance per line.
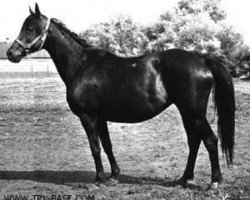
x=198 y=25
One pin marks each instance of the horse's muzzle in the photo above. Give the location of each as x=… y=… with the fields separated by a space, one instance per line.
x=14 y=56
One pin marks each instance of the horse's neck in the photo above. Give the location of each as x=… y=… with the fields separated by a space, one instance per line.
x=65 y=53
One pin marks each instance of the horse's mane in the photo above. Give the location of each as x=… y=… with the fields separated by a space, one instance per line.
x=73 y=35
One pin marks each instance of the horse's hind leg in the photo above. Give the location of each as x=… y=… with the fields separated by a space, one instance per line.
x=210 y=141
x=192 y=103
x=198 y=129
x=191 y=126
x=107 y=145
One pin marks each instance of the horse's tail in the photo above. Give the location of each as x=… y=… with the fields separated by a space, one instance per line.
x=225 y=103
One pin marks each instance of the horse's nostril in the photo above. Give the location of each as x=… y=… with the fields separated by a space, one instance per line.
x=9 y=54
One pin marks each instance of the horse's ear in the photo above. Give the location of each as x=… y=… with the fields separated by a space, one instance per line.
x=37 y=10
x=31 y=11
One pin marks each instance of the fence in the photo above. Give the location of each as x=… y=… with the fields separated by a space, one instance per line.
x=29 y=68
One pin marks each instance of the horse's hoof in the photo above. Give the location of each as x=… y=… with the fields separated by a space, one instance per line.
x=213 y=186
x=100 y=181
x=182 y=182
x=114 y=176
x=115 y=173
x=111 y=182
x=97 y=183
x=106 y=182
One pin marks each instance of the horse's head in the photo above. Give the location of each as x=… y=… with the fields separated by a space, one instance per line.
x=32 y=36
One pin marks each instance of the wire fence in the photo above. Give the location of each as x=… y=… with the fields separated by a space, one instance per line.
x=28 y=68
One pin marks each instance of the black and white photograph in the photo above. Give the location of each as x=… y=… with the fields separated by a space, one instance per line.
x=124 y=99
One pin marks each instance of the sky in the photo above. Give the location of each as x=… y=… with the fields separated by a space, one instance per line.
x=80 y=14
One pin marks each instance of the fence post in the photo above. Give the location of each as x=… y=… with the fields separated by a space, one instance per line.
x=32 y=71
x=47 y=70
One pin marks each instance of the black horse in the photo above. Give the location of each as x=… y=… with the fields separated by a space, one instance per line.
x=103 y=87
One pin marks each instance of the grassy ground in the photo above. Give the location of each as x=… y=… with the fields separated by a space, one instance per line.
x=44 y=150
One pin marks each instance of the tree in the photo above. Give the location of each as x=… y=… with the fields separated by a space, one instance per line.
x=196 y=7
x=187 y=27
x=120 y=35
x=161 y=36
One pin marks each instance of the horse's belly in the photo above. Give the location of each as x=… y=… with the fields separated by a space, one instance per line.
x=137 y=106
x=131 y=116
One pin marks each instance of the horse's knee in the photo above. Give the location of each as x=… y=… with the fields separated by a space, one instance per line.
x=199 y=123
x=196 y=126
x=204 y=132
x=211 y=144
x=96 y=150
x=210 y=141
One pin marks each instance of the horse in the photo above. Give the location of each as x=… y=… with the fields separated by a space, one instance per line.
x=101 y=87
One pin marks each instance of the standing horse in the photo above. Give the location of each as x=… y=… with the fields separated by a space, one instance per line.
x=103 y=87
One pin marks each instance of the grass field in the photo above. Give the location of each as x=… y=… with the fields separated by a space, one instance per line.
x=44 y=150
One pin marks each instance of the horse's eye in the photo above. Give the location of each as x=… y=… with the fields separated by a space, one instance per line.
x=30 y=28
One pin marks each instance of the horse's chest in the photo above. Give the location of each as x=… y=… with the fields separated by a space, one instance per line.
x=83 y=98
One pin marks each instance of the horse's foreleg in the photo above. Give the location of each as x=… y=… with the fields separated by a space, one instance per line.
x=107 y=145
x=91 y=127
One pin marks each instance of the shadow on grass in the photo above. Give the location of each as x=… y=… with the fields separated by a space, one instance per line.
x=85 y=177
